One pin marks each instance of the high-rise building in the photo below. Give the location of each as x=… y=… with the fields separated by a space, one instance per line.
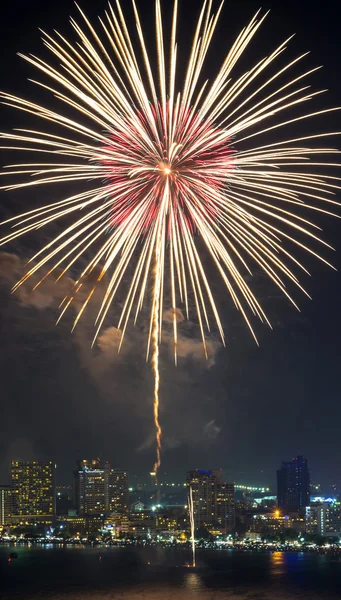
x=98 y=489
x=323 y=518
x=333 y=518
x=225 y=507
x=293 y=485
x=79 y=483
x=213 y=500
x=315 y=518
x=5 y=504
x=91 y=487
x=33 y=491
x=203 y=485
x=118 y=491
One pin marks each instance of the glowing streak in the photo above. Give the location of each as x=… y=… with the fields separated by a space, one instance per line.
x=155 y=364
x=192 y=523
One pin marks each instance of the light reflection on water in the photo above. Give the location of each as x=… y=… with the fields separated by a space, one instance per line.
x=157 y=573
x=278 y=564
x=193 y=582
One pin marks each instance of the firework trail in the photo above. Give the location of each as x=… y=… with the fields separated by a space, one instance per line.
x=191 y=518
x=155 y=362
x=160 y=163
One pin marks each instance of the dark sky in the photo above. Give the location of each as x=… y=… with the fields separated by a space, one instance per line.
x=248 y=408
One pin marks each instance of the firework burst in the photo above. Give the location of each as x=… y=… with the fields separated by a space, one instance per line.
x=164 y=162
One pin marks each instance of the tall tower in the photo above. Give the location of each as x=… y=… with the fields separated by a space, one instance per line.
x=225 y=507
x=118 y=492
x=91 y=487
x=33 y=491
x=213 y=500
x=100 y=490
x=293 y=485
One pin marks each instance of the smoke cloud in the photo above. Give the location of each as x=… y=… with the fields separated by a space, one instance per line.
x=115 y=380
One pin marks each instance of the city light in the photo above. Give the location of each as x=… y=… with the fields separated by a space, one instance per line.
x=249 y=488
x=105 y=512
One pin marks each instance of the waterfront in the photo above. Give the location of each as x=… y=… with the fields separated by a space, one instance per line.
x=131 y=573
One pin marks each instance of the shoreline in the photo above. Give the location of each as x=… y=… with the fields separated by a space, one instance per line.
x=330 y=550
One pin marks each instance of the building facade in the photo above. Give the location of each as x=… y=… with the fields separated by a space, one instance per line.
x=5 y=504
x=100 y=490
x=213 y=500
x=270 y=524
x=293 y=485
x=118 y=491
x=33 y=491
x=323 y=519
x=142 y=523
x=225 y=507
x=315 y=519
x=91 y=487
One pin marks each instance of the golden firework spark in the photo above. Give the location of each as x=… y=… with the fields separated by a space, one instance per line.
x=155 y=361
x=160 y=162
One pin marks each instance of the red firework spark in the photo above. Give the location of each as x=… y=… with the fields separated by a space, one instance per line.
x=203 y=155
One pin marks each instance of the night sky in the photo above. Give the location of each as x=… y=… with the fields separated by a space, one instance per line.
x=246 y=409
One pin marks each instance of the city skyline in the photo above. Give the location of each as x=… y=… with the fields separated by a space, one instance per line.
x=101 y=502
x=255 y=484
